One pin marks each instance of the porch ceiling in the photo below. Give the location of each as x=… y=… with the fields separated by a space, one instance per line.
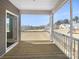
x=37 y=6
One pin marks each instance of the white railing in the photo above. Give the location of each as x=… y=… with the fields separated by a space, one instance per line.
x=63 y=42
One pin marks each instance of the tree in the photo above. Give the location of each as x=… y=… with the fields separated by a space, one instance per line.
x=58 y=22
x=76 y=19
x=65 y=21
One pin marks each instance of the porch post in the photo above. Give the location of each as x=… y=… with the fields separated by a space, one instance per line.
x=71 y=29
x=19 y=27
x=51 y=27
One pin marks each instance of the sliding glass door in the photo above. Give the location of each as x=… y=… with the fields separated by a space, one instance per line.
x=11 y=29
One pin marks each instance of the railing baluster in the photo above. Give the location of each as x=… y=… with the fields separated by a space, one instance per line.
x=78 y=50
x=66 y=45
x=74 y=49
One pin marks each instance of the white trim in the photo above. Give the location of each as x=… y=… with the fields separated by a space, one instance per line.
x=13 y=45
x=11 y=13
x=5 y=31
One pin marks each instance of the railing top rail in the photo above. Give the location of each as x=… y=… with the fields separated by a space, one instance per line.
x=67 y=36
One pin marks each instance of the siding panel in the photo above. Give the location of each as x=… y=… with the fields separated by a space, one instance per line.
x=5 y=4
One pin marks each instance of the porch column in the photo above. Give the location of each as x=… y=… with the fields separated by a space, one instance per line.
x=19 y=27
x=71 y=28
x=51 y=27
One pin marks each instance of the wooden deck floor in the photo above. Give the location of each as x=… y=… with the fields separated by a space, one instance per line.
x=29 y=50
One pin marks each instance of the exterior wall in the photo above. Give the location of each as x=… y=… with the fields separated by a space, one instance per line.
x=5 y=4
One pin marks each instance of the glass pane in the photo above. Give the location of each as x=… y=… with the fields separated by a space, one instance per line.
x=9 y=22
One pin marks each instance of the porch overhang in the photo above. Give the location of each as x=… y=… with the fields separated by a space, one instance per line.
x=35 y=11
x=38 y=6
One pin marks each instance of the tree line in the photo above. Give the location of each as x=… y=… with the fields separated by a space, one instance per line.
x=66 y=21
x=27 y=27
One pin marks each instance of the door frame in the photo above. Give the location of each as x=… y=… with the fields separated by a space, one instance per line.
x=14 y=44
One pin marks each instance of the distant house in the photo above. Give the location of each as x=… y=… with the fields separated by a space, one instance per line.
x=47 y=28
x=64 y=26
x=67 y=26
x=76 y=28
x=76 y=25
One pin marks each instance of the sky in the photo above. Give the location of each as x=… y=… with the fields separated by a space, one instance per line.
x=34 y=20
x=61 y=14
x=64 y=12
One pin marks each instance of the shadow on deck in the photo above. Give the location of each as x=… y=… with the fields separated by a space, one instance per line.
x=26 y=50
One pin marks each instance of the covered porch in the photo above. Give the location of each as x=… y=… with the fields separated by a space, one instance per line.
x=51 y=44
